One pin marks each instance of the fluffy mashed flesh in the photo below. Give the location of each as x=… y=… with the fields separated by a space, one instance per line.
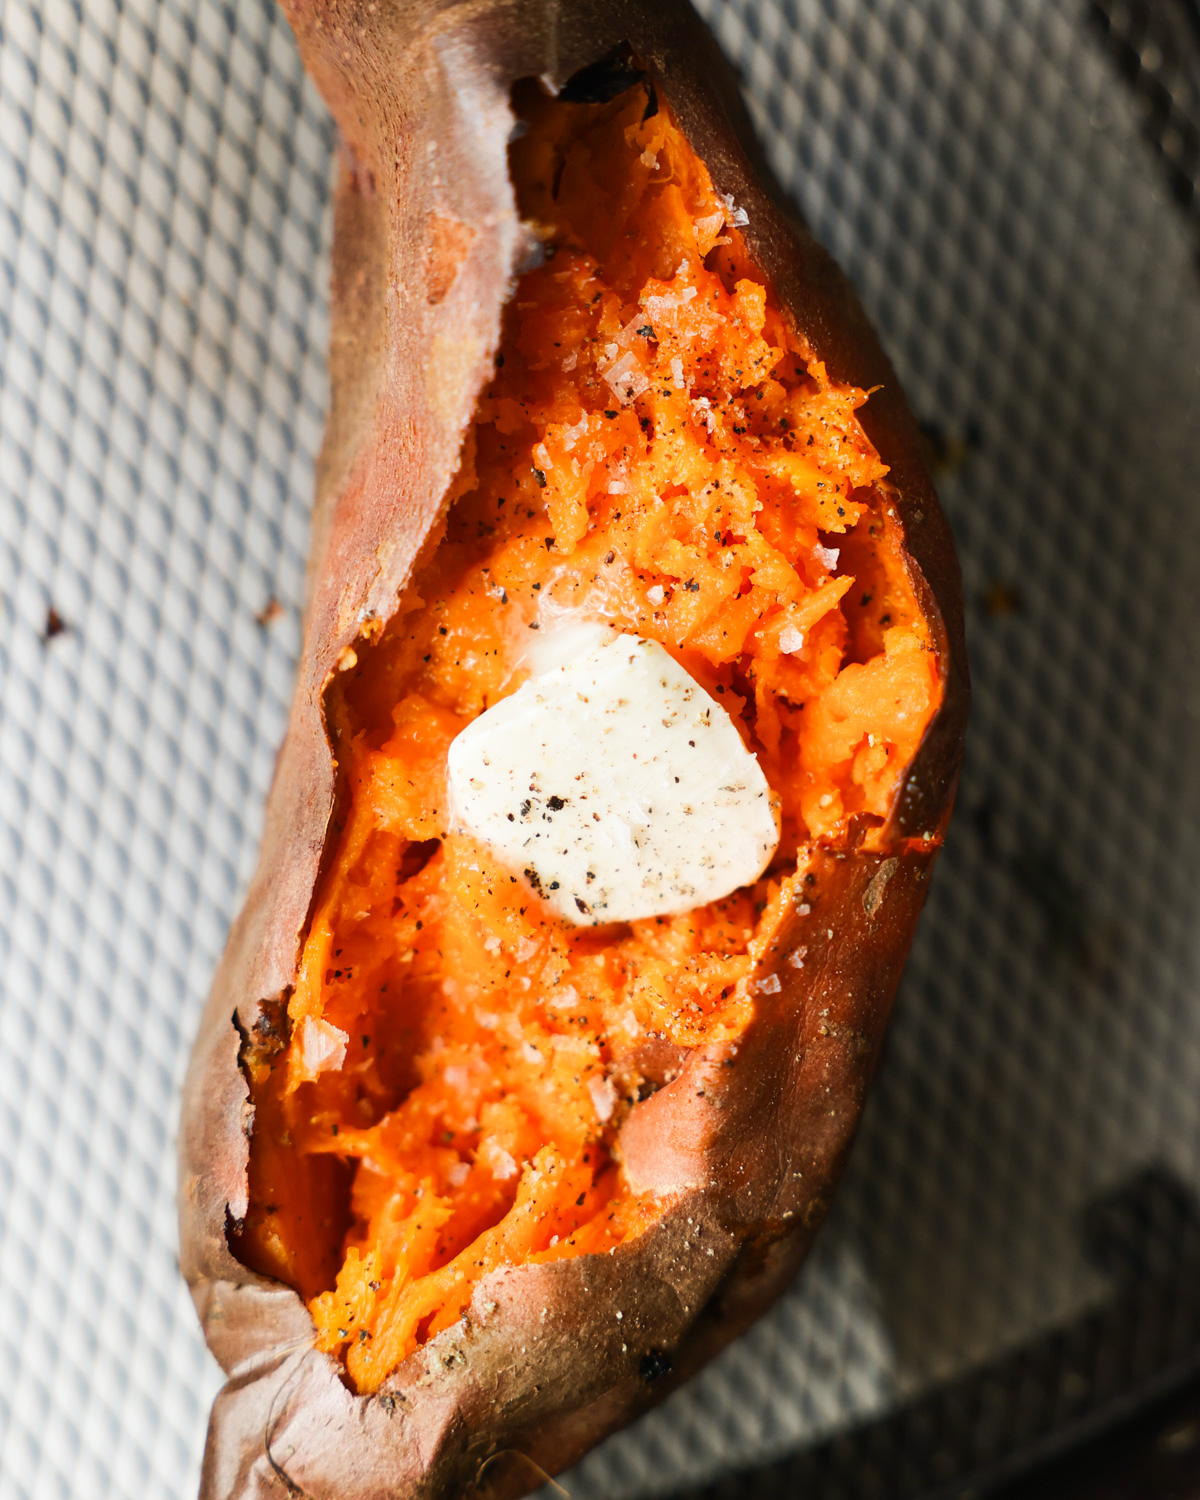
x=657 y=452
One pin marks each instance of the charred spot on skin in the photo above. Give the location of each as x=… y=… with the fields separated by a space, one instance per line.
x=601 y=82
x=654 y=1365
x=265 y=1038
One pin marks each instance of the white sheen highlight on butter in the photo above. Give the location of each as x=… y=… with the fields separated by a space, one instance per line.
x=617 y=785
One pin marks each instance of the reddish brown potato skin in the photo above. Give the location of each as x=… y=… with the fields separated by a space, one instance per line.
x=752 y=1142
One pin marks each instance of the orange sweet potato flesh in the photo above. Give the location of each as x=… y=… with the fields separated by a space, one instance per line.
x=463 y=1186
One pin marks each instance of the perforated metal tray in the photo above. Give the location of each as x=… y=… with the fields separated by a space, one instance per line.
x=981 y=171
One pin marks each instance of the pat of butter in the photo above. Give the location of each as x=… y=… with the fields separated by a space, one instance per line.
x=617 y=785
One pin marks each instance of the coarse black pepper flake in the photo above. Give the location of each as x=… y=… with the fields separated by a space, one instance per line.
x=540 y=476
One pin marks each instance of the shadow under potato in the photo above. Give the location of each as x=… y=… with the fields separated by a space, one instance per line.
x=971 y=1436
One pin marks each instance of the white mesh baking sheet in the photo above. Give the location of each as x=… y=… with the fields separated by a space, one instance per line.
x=164 y=233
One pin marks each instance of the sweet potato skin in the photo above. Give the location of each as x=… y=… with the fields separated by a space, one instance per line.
x=751 y=1141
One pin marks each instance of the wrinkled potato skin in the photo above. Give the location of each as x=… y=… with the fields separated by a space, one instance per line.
x=752 y=1142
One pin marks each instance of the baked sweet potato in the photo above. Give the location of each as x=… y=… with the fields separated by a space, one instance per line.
x=475 y=1165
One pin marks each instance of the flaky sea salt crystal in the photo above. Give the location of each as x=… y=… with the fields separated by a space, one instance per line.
x=827 y=556
x=709 y=225
x=656 y=595
x=791 y=640
x=322 y=1046
x=604 y=1096
x=627 y=379
x=769 y=985
x=659 y=307
x=502 y=1164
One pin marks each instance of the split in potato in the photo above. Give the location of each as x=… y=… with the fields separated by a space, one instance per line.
x=660 y=451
